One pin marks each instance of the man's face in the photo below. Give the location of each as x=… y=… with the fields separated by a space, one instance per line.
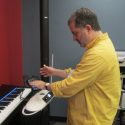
x=79 y=34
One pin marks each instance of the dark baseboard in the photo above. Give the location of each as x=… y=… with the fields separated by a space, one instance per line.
x=58 y=119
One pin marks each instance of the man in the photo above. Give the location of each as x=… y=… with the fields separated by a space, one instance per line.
x=93 y=87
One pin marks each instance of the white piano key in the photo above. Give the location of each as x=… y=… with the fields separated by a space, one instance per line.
x=13 y=104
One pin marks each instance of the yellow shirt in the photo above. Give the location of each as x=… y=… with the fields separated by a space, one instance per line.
x=94 y=88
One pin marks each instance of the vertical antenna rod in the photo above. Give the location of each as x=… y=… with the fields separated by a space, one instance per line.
x=52 y=59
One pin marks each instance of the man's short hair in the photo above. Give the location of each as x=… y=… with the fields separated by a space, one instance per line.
x=84 y=16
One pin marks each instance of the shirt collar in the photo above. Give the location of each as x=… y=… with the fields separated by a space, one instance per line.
x=96 y=40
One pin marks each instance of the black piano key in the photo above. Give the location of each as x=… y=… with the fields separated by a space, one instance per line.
x=15 y=92
x=8 y=99
x=1 y=108
x=18 y=91
x=4 y=103
x=12 y=96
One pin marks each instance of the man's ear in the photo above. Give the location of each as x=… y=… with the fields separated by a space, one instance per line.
x=88 y=27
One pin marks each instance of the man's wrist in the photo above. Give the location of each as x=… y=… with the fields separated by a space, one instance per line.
x=46 y=86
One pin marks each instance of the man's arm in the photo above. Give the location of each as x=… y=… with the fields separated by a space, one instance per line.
x=50 y=71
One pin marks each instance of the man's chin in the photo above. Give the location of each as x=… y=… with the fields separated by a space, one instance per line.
x=81 y=45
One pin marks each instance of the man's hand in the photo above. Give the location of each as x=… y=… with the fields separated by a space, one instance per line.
x=50 y=71
x=47 y=71
x=38 y=84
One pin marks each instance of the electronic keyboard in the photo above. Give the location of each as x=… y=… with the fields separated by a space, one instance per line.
x=10 y=100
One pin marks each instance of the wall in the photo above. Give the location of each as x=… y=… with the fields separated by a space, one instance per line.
x=31 y=37
x=11 y=42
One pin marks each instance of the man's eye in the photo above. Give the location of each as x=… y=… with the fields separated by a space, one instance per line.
x=75 y=33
